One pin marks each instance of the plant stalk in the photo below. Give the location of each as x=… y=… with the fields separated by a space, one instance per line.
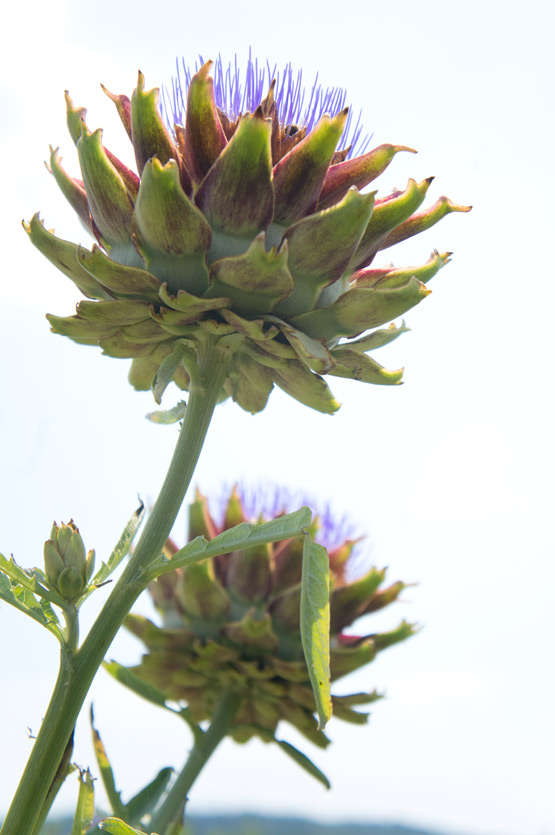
x=203 y=749
x=75 y=677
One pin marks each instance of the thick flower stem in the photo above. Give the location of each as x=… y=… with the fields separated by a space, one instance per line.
x=201 y=753
x=78 y=670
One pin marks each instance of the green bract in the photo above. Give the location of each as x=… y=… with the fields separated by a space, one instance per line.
x=241 y=230
x=68 y=566
x=232 y=624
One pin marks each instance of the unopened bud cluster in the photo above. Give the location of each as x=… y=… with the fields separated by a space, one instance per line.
x=68 y=566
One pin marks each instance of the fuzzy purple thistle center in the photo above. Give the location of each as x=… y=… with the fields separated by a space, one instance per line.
x=235 y=96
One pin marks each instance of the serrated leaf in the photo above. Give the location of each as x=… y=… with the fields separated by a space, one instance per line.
x=84 y=813
x=122 y=547
x=244 y=535
x=106 y=773
x=24 y=600
x=28 y=579
x=145 y=800
x=48 y=612
x=167 y=416
x=131 y=681
x=302 y=760
x=117 y=827
x=315 y=624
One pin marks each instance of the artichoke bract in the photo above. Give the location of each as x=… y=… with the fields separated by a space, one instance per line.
x=67 y=564
x=231 y=624
x=246 y=229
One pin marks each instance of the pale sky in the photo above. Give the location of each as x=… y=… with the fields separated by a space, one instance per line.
x=450 y=475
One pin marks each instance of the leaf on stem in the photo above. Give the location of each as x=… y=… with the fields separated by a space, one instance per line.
x=117 y=827
x=84 y=813
x=24 y=600
x=144 y=801
x=141 y=688
x=244 y=535
x=122 y=547
x=315 y=624
x=32 y=579
x=106 y=773
x=304 y=762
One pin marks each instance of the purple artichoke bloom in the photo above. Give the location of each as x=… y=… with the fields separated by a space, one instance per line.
x=245 y=225
x=232 y=623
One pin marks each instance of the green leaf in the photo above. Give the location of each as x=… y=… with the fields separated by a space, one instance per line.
x=244 y=535
x=315 y=624
x=22 y=599
x=84 y=813
x=304 y=762
x=144 y=801
x=117 y=827
x=167 y=416
x=29 y=579
x=106 y=773
x=122 y=547
x=130 y=680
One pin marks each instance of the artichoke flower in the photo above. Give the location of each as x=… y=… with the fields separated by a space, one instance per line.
x=232 y=624
x=245 y=229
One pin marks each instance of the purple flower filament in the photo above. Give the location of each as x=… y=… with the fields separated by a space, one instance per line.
x=234 y=98
x=267 y=501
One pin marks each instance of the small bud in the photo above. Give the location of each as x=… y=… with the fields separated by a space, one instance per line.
x=68 y=566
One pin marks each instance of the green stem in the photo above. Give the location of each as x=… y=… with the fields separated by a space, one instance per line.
x=75 y=680
x=203 y=749
x=57 y=784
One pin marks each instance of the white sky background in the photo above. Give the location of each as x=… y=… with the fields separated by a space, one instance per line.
x=451 y=475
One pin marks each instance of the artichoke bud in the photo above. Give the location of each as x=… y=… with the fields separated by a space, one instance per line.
x=67 y=564
x=70 y=583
